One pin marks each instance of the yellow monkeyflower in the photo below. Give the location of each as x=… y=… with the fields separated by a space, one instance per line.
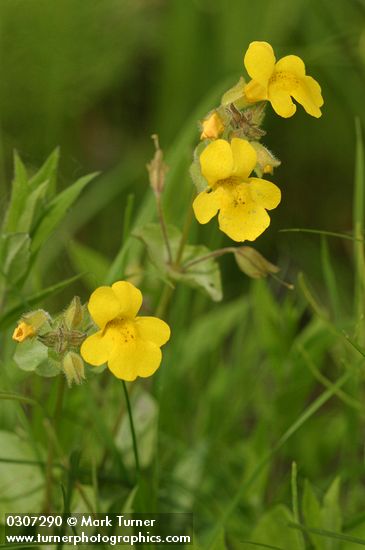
x=212 y=126
x=279 y=82
x=23 y=331
x=241 y=201
x=129 y=344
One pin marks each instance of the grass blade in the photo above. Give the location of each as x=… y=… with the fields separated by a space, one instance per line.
x=328 y=534
x=15 y=312
x=358 y=227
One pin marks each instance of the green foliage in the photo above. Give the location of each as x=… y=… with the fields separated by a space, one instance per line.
x=204 y=275
x=273 y=528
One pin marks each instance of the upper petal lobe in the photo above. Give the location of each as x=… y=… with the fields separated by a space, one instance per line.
x=216 y=161
x=129 y=297
x=103 y=306
x=260 y=61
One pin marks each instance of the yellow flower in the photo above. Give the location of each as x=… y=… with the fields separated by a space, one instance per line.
x=129 y=344
x=212 y=126
x=241 y=201
x=23 y=331
x=279 y=82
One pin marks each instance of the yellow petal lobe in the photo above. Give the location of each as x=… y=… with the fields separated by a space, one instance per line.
x=265 y=193
x=153 y=330
x=139 y=358
x=244 y=222
x=259 y=61
x=309 y=95
x=244 y=158
x=291 y=64
x=216 y=161
x=97 y=348
x=103 y=305
x=206 y=205
x=129 y=297
x=281 y=101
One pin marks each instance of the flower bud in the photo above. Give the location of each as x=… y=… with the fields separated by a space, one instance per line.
x=157 y=168
x=252 y=263
x=23 y=331
x=266 y=161
x=30 y=324
x=212 y=126
x=74 y=314
x=73 y=367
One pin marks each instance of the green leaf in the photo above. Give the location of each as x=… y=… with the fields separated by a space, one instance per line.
x=27 y=218
x=94 y=264
x=47 y=173
x=22 y=485
x=204 y=275
x=331 y=513
x=273 y=529
x=19 y=192
x=220 y=542
x=312 y=514
x=30 y=354
x=56 y=210
x=145 y=415
x=14 y=255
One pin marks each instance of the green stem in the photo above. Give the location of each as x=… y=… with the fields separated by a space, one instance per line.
x=214 y=254
x=162 y=221
x=51 y=447
x=133 y=432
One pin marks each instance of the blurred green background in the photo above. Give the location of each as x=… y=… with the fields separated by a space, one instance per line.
x=97 y=78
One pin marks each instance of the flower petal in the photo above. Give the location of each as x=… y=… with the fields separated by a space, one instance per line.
x=291 y=64
x=281 y=101
x=308 y=94
x=255 y=92
x=153 y=330
x=260 y=61
x=103 y=305
x=129 y=297
x=243 y=221
x=265 y=193
x=216 y=161
x=207 y=204
x=97 y=348
x=244 y=158
x=139 y=358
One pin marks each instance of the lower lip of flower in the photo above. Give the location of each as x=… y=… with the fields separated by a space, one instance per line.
x=123 y=329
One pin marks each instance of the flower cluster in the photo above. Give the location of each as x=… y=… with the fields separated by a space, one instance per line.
x=232 y=148
x=229 y=153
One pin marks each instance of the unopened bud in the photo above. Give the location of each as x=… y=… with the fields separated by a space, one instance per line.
x=73 y=367
x=212 y=126
x=157 y=168
x=253 y=264
x=74 y=314
x=266 y=161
